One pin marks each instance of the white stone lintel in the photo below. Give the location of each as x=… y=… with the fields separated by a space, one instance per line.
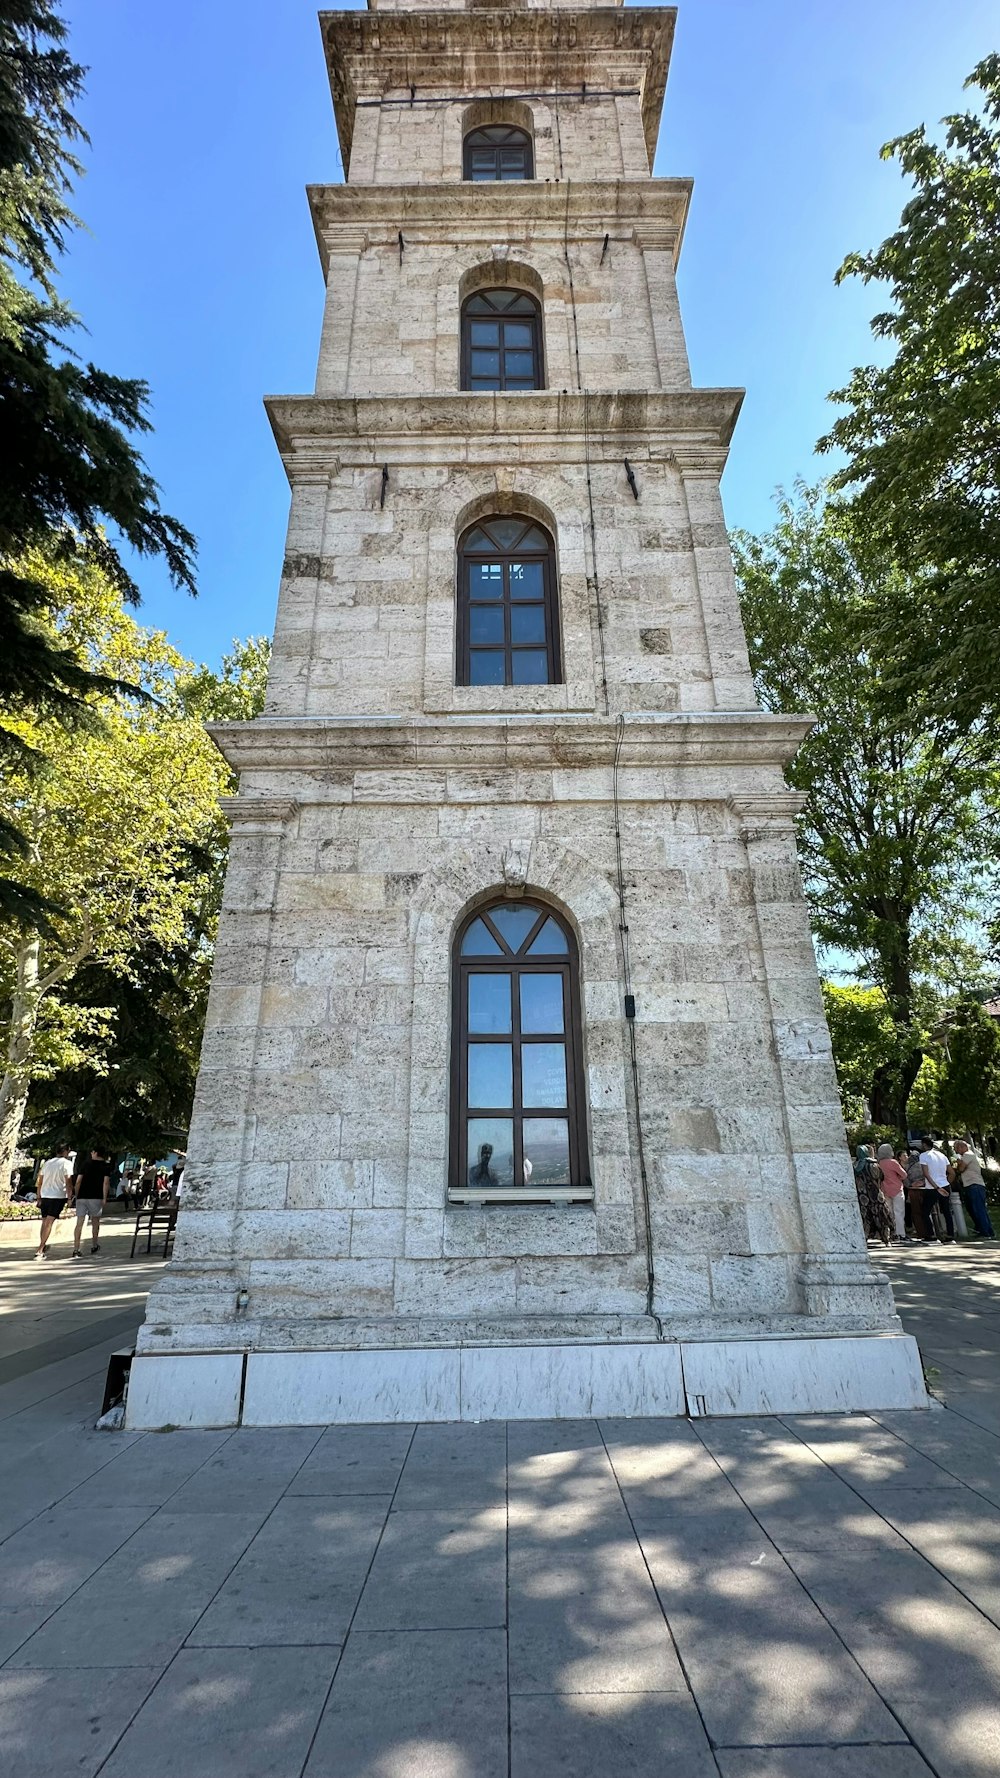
x=836 y=1374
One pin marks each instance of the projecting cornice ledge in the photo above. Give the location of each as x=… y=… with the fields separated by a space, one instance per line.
x=412 y=743
x=310 y=429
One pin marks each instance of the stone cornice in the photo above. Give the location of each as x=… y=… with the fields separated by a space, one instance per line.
x=485 y=52
x=767 y=816
x=407 y=743
x=258 y=814
x=311 y=429
x=352 y=218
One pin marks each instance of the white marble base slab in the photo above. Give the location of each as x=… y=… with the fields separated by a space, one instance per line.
x=193 y=1389
x=840 y=1374
x=847 y=1374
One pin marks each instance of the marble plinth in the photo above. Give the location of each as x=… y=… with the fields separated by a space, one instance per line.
x=824 y=1375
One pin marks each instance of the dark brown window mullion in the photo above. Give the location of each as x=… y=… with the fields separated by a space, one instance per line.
x=515 y=1023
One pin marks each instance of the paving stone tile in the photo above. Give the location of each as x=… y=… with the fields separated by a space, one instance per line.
x=763 y=1664
x=417 y=1705
x=962 y=1542
x=934 y=1658
x=44 y=1563
x=249 y=1472
x=601 y=1735
x=967 y=1452
x=799 y=1502
x=454 y=1466
x=40 y=1478
x=228 y=1713
x=139 y=1607
x=438 y=1571
x=354 y=1460
x=822 y=1762
x=868 y=1456
x=301 y=1578
x=152 y=1470
x=56 y=1723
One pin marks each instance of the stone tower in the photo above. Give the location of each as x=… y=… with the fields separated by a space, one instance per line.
x=516 y=1095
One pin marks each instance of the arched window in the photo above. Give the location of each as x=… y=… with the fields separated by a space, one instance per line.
x=498 y=151
x=501 y=341
x=507 y=631
x=518 y=1104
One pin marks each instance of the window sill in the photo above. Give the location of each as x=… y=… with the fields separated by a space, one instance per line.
x=525 y=1194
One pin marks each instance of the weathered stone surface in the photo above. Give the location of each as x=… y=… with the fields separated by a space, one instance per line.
x=380 y=800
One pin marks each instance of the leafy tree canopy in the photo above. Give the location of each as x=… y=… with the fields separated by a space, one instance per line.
x=922 y=432
x=67 y=429
x=895 y=840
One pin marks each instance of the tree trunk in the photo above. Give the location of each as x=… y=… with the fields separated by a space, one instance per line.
x=893 y=1080
x=17 y=1078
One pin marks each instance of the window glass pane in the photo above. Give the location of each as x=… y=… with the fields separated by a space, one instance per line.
x=551 y=941
x=546 y=1151
x=484 y=333
x=543 y=1074
x=526 y=580
x=490 y=1151
x=512 y=169
x=506 y=531
x=480 y=943
x=527 y=623
x=485 y=580
x=484 y=363
x=519 y=383
x=518 y=364
x=486 y=623
x=514 y=924
x=534 y=539
x=530 y=666
x=517 y=333
x=541 y=1003
x=489 y=1004
x=491 y=1076
x=478 y=540
x=484 y=385
x=486 y=667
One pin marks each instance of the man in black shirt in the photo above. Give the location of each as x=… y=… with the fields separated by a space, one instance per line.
x=90 y=1190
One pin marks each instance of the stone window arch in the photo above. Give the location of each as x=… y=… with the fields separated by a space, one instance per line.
x=501 y=341
x=518 y=1095
x=497 y=151
x=508 y=632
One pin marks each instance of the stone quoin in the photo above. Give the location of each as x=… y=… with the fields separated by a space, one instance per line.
x=516 y=1096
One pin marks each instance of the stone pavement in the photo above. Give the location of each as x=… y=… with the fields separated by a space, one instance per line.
x=810 y=1598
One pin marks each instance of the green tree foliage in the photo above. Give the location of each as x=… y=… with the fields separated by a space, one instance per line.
x=969 y=1087
x=894 y=843
x=124 y=827
x=864 y=1039
x=922 y=433
x=67 y=429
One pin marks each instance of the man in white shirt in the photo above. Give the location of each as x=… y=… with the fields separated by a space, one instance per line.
x=937 y=1187
x=53 y=1182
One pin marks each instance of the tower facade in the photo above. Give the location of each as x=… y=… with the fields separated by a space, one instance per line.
x=516 y=1095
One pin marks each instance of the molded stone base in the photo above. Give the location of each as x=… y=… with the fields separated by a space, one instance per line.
x=853 y=1374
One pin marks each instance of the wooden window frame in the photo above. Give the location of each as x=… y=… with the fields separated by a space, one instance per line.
x=534 y=320
x=550 y=603
x=518 y=964
x=470 y=144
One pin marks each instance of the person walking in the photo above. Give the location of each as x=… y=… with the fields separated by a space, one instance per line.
x=876 y=1218
x=91 y=1185
x=923 y=1225
x=54 y=1180
x=971 y=1179
x=937 y=1187
x=893 y=1181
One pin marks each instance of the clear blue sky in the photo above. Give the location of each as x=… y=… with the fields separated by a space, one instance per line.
x=199 y=272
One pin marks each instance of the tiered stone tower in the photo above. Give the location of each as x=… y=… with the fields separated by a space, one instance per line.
x=516 y=1095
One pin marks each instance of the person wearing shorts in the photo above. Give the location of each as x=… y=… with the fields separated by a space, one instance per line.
x=90 y=1189
x=54 y=1181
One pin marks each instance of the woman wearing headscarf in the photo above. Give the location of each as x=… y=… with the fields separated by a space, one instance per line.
x=876 y=1217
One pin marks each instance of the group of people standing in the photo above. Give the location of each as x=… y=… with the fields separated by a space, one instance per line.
x=903 y=1196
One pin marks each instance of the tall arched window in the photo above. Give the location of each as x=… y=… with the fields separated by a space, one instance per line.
x=518 y=1101
x=501 y=341
x=507 y=631
x=498 y=151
